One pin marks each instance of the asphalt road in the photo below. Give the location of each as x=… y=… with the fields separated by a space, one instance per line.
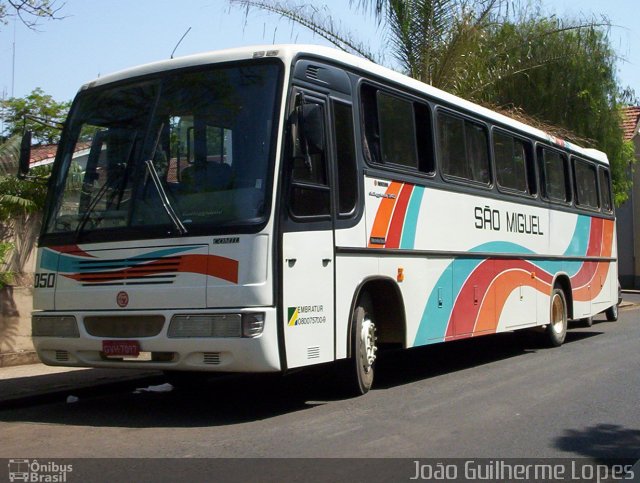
x=496 y=397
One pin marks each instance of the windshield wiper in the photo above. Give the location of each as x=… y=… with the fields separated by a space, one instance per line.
x=166 y=204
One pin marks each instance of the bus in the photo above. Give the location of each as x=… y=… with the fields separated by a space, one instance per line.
x=264 y=209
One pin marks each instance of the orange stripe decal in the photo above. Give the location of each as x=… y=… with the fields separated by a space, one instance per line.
x=383 y=215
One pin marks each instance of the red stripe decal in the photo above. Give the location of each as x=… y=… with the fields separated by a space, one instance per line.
x=397 y=222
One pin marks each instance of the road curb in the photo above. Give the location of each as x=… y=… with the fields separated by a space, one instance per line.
x=10 y=359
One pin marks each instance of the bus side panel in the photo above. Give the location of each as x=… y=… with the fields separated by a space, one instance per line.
x=591 y=281
x=488 y=294
x=351 y=271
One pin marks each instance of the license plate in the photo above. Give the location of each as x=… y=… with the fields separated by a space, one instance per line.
x=120 y=348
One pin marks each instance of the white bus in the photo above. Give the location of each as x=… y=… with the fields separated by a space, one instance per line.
x=269 y=208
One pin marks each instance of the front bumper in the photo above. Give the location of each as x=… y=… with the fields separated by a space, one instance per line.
x=223 y=354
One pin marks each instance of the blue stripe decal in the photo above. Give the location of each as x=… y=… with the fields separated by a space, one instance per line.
x=66 y=263
x=411 y=218
x=580 y=239
x=435 y=318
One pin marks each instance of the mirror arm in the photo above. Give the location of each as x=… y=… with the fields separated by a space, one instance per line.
x=25 y=155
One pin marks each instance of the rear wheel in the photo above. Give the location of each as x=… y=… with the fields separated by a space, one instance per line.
x=358 y=371
x=612 y=313
x=557 y=328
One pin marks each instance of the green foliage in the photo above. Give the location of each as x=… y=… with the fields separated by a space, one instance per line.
x=19 y=114
x=621 y=173
x=21 y=197
x=432 y=40
x=6 y=278
x=9 y=155
x=558 y=71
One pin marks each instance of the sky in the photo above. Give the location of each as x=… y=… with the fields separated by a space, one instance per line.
x=98 y=37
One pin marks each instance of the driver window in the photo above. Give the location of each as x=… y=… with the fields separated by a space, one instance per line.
x=310 y=188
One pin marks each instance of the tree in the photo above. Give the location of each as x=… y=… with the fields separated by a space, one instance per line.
x=29 y=11
x=21 y=203
x=37 y=112
x=574 y=84
x=556 y=74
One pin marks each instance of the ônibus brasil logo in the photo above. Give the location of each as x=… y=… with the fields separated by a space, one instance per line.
x=38 y=472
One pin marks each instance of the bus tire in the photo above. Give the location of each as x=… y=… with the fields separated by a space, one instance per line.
x=612 y=313
x=587 y=321
x=359 y=369
x=557 y=327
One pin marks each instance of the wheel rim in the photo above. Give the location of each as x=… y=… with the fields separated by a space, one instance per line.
x=368 y=343
x=557 y=314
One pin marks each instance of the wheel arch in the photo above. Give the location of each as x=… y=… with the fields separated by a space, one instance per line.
x=562 y=281
x=388 y=308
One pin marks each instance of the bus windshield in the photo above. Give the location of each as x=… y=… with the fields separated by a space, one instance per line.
x=186 y=152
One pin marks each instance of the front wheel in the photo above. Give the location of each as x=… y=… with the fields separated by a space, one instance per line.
x=358 y=371
x=612 y=313
x=557 y=328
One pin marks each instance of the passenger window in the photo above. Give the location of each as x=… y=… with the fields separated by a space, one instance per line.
x=605 y=190
x=556 y=176
x=463 y=149
x=397 y=131
x=451 y=146
x=511 y=156
x=586 y=184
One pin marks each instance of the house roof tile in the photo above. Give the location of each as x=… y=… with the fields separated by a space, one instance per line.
x=630 y=118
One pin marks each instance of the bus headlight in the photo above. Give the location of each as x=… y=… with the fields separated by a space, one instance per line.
x=216 y=325
x=52 y=326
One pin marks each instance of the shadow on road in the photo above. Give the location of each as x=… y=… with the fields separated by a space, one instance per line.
x=602 y=442
x=425 y=362
x=229 y=400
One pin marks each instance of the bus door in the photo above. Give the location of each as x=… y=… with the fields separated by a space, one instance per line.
x=307 y=260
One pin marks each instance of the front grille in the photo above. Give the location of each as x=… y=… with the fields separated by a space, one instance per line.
x=128 y=271
x=123 y=327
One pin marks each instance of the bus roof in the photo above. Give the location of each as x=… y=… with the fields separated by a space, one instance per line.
x=288 y=52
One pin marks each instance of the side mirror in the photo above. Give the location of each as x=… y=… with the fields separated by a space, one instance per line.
x=312 y=127
x=25 y=155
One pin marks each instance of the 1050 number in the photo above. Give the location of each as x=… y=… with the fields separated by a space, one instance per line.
x=44 y=280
